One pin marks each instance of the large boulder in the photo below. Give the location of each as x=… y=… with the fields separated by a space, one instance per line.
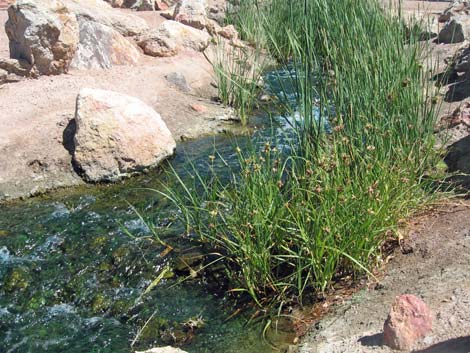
x=171 y=37
x=43 y=33
x=117 y=135
x=192 y=13
x=103 y=47
x=99 y=11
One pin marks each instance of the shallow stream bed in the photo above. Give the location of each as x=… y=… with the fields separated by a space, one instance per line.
x=73 y=280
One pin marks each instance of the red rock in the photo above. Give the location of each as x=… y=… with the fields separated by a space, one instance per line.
x=160 y=5
x=409 y=320
x=199 y=108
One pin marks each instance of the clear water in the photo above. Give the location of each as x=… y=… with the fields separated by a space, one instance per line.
x=71 y=280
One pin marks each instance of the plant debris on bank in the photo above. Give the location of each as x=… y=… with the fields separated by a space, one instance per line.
x=291 y=221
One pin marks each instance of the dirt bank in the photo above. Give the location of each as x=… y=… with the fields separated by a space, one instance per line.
x=437 y=270
x=35 y=115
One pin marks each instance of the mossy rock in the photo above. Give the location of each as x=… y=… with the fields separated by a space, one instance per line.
x=152 y=331
x=18 y=279
x=99 y=242
x=100 y=303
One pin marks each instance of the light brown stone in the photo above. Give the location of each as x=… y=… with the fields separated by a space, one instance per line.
x=171 y=37
x=117 y=135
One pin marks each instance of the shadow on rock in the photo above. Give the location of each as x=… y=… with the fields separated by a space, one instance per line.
x=67 y=136
x=372 y=341
x=69 y=143
x=459 y=90
x=458 y=161
x=456 y=345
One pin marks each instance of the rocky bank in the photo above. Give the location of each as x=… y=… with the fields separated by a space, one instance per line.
x=51 y=50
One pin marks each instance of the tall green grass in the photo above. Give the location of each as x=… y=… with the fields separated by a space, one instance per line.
x=292 y=221
x=238 y=72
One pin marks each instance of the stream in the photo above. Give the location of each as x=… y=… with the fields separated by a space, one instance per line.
x=73 y=280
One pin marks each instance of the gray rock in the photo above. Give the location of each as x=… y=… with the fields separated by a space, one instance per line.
x=462 y=60
x=192 y=13
x=17 y=67
x=178 y=80
x=103 y=47
x=456 y=30
x=42 y=33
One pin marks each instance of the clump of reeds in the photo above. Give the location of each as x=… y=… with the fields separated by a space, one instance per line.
x=290 y=222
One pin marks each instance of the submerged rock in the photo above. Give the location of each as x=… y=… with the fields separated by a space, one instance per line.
x=409 y=320
x=117 y=135
x=171 y=37
x=103 y=47
x=43 y=33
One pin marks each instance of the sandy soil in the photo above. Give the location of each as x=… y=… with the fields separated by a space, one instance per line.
x=35 y=114
x=437 y=270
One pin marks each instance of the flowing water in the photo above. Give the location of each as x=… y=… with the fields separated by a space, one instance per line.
x=72 y=279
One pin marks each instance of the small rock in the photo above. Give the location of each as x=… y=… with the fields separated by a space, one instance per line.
x=265 y=98
x=192 y=13
x=409 y=320
x=228 y=32
x=17 y=67
x=237 y=43
x=199 y=108
x=167 y=349
x=160 y=5
x=178 y=80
